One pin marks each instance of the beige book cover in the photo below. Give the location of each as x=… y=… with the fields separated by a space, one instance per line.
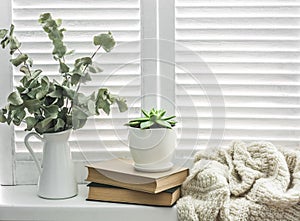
x=121 y=173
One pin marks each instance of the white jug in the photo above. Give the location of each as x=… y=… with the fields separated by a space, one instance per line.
x=57 y=178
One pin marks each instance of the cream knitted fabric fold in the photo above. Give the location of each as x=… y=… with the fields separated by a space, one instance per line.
x=244 y=182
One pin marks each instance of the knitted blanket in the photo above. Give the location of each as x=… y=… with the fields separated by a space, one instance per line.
x=256 y=182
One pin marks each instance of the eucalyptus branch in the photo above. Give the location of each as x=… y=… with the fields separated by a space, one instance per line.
x=25 y=62
x=96 y=52
x=79 y=84
x=86 y=66
x=46 y=105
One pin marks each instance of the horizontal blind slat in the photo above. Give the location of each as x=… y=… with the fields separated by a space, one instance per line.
x=81 y=3
x=237 y=70
x=84 y=19
x=237 y=3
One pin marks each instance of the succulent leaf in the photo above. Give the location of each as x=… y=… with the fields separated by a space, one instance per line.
x=152 y=119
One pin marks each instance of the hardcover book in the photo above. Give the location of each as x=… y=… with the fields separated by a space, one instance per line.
x=121 y=173
x=107 y=193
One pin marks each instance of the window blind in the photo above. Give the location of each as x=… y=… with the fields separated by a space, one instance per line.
x=83 y=19
x=245 y=54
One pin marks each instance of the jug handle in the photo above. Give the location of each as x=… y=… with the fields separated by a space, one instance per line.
x=26 y=141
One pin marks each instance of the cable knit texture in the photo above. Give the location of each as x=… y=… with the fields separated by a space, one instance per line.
x=256 y=182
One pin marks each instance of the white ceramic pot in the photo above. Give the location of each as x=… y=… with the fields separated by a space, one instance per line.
x=57 y=177
x=152 y=149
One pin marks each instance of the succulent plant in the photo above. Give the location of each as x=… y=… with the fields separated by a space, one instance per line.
x=153 y=119
x=49 y=106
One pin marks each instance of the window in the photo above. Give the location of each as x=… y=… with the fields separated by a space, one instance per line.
x=103 y=136
x=244 y=83
x=228 y=69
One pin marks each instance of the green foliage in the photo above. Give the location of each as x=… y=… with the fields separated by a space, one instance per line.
x=105 y=40
x=153 y=119
x=49 y=106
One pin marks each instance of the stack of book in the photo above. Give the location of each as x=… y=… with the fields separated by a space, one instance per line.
x=117 y=181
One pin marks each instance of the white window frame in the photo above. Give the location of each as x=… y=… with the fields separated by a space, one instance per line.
x=157 y=85
x=158 y=54
x=157 y=69
x=6 y=132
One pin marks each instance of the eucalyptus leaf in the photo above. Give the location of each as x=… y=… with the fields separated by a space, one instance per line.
x=47 y=29
x=22 y=90
x=78 y=123
x=33 y=92
x=45 y=82
x=105 y=40
x=106 y=107
x=30 y=122
x=33 y=105
x=11 y=30
x=84 y=61
x=63 y=113
x=85 y=78
x=33 y=83
x=2 y=115
x=24 y=69
x=102 y=101
x=15 y=107
x=51 y=111
x=9 y=117
x=75 y=78
x=14 y=44
x=78 y=113
x=45 y=85
x=60 y=102
x=60 y=123
x=94 y=69
x=59 y=48
x=15 y=98
x=35 y=74
x=5 y=42
x=63 y=68
x=24 y=81
x=91 y=107
x=56 y=35
x=57 y=93
x=122 y=105
x=49 y=100
x=3 y=33
x=58 y=22
x=69 y=93
x=69 y=122
x=18 y=116
x=30 y=61
x=102 y=93
x=81 y=99
x=70 y=52
x=44 y=17
x=42 y=126
x=41 y=94
x=19 y=60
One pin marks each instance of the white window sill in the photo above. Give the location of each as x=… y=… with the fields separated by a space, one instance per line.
x=22 y=203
